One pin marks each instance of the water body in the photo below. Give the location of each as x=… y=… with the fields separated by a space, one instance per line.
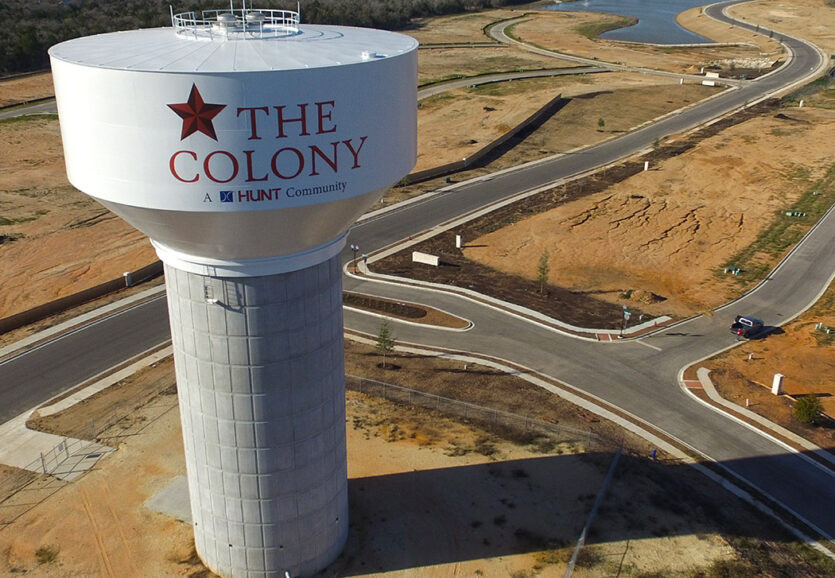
x=656 y=19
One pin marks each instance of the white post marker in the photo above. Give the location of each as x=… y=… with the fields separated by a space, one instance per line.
x=458 y=242
x=777 y=384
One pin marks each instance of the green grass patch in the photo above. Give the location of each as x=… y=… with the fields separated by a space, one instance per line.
x=17 y=220
x=780 y=132
x=4 y=222
x=784 y=231
x=28 y=118
x=592 y=30
x=510 y=31
x=823 y=338
x=818 y=87
x=435 y=100
x=520 y=86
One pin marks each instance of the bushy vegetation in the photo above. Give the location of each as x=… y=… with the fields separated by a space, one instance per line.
x=32 y=26
x=808 y=409
x=785 y=231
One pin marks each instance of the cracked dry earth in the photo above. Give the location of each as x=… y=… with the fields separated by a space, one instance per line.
x=667 y=231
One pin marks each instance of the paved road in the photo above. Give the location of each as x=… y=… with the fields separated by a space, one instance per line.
x=504 y=77
x=41 y=373
x=48 y=107
x=639 y=376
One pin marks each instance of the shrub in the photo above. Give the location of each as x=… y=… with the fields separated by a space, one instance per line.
x=46 y=554
x=808 y=409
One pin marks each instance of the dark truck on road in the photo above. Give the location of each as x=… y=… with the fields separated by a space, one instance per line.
x=746 y=327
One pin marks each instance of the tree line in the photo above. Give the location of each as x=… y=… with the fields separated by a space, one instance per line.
x=32 y=26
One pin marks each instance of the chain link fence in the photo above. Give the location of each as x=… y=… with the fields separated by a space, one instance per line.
x=490 y=418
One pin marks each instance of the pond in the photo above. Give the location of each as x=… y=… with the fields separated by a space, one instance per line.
x=656 y=19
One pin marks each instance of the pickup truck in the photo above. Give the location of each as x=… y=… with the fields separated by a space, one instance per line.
x=746 y=327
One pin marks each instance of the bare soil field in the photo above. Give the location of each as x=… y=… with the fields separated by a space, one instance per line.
x=813 y=20
x=457 y=28
x=657 y=240
x=54 y=240
x=55 y=235
x=430 y=495
x=455 y=124
x=669 y=230
x=26 y=88
x=437 y=64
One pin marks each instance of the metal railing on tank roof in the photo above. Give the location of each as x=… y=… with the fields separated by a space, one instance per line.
x=236 y=24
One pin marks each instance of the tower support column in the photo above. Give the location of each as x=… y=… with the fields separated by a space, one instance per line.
x=261 y=383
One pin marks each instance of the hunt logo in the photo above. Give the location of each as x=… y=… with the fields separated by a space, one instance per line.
x=247 y=196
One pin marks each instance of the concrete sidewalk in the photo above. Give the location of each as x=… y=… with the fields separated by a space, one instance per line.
x=761 y=423
x=44 y=453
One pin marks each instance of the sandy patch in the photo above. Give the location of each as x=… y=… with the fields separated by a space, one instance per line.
x=447 y=126
x=26 y=88
x=443 y=63
x=669 y=230
x=457 y=28
x=455 y=124
x=813 y=20
x=56 y=240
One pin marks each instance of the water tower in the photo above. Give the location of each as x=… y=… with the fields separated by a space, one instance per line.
x=244 y=145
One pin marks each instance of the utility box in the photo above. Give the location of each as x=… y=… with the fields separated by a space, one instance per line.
x=777 y=384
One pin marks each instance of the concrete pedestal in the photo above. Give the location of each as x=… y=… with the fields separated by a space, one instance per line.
x=261 y=382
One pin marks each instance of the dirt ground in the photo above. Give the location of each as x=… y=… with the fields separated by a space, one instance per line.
x=667 y=231
x=430 y=495
x=41 y=215
x=26 y=88
x=54 y=240
x=813 y=20
x=440 y=64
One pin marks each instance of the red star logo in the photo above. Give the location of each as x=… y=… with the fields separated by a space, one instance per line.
x=197 y=115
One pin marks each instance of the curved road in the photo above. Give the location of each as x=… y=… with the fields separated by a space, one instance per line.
x=639 y=376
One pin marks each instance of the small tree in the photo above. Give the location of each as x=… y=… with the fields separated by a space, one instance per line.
x=601 y=122
x=385 y=341
x=808 y=409
x=542 y=270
